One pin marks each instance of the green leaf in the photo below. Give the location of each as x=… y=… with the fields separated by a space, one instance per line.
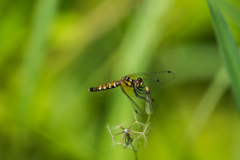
x=231 y=11
x=227 y=47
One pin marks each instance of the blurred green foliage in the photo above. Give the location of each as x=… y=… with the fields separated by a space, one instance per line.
x=52 y=51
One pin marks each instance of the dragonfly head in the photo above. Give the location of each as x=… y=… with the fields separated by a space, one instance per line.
x=139 y=82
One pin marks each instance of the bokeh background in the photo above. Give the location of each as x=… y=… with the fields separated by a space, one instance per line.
x=52 y=51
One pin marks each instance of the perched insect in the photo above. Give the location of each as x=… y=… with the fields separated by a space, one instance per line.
x=134 y=86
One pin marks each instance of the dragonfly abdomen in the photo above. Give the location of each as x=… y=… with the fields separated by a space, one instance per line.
x=110 y=85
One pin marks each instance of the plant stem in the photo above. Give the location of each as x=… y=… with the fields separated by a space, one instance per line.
x=148 y=120
x=135 y=153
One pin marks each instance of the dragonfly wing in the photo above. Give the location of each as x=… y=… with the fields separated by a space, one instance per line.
x=154 y=104
x=155 y=80
x=132 y=97
x=142 y=100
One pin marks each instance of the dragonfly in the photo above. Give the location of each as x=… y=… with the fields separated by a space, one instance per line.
x=134 y=87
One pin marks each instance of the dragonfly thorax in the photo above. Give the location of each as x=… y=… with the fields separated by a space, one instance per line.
x=127 y=81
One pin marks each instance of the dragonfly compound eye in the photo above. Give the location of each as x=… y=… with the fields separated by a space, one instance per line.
x=139 y=82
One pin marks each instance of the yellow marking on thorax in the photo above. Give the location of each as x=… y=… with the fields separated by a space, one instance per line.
x=127 y=83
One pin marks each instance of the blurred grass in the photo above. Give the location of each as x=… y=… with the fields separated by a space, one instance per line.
x=206 y=106
x=214 y=92
x=231 y=10
x=228 y=48
x=35 y=52
x=51 y=52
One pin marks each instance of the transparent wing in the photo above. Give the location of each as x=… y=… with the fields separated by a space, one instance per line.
x=131 y=96
x=144 y=94
x=139 y=101
x=155 y=80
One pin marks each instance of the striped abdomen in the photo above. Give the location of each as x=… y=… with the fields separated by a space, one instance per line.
x=105 y=86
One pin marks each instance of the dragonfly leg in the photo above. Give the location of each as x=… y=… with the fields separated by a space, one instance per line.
x=137 y=95
x=139 y=91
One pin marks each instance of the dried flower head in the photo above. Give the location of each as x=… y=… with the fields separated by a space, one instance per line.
x=128 y=137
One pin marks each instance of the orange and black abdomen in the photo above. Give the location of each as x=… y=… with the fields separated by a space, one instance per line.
x=105 y=86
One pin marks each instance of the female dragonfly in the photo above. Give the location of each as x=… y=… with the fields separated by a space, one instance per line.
x=134 y=87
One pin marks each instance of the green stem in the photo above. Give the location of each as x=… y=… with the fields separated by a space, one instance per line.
x=148 y=120
x=135 y=153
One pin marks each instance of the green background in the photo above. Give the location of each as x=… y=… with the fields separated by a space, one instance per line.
x=52 y=51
